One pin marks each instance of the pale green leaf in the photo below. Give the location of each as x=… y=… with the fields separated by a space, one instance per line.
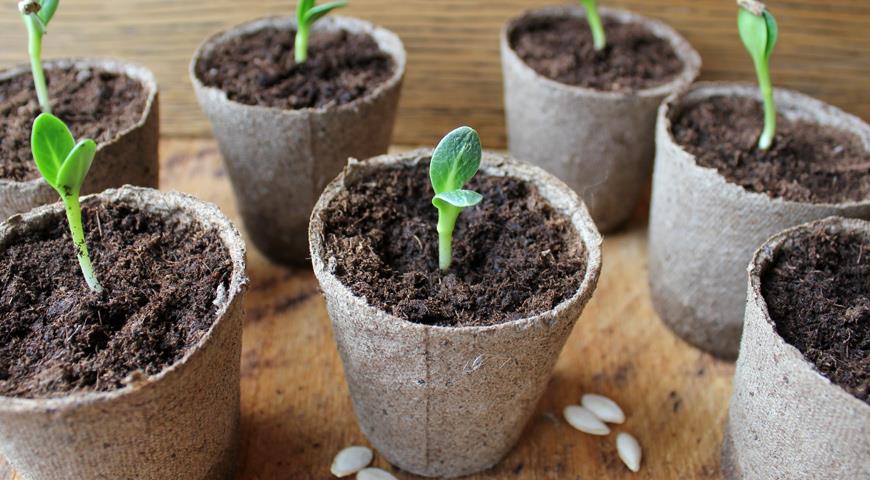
x=455 y=160
x=75 y=168
x=316 y=13
x=753 y=33
x=51 y=142
x=458 y=198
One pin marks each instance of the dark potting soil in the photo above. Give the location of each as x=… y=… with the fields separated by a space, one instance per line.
x=807 y=162
x=817 y=291
x=94 y=104
x=513 y=255
x=561 y=49
x=260 y=69
x=160 y=280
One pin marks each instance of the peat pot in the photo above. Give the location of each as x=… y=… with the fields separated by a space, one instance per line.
x=129 y=157
x=448 y=401
x=703 y=228
x=600 y=143
x=182 y=422
x=280 y=160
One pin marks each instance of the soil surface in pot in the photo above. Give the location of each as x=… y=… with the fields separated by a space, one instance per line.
x=561 y=49
x=808 y=162
x=513 y=255
x=94 y=103
x=160 y=279
x=259 y=69
x=817 y=291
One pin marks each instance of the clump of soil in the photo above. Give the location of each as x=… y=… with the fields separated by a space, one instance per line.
x=160 y=280
x=561 y=49
x=808 y=162
x=259 y=69
x=513 y=255
x=94 y=103
x=817 y=291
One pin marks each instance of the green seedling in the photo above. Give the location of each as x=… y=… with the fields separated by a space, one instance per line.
x=758 y=31
x=64 y=165
x=455 y=160
x=598 y=38
x=36 y=14
x=306 y=14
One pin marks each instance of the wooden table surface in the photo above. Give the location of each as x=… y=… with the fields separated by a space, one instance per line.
x=296 y=410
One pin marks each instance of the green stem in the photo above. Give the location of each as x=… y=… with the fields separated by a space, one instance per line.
x=74 y=216
x=301 y=47
x=598 y=38
x=34 y=48
x=764 y=83
x=447 y=216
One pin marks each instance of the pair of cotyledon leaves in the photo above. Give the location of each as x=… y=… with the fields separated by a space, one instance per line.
x=455 y=160
x=307 y=13
x=758 y=29
x=63 y=163
x=45 y=13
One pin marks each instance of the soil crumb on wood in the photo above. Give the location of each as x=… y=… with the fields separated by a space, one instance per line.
x=260 y=69
x=561 y=49
x=160 y=281
x=817 y=291
x=807 y=162
x=94 y=103
x=513 y=255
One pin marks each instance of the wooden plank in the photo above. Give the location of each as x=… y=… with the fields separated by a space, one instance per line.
x=296 y=410
x=454 y=75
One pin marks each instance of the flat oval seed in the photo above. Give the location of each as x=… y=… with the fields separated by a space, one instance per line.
x=351 y=460
x=584 y=420
x=372 y=473
x=603 y=408
x=629 y=451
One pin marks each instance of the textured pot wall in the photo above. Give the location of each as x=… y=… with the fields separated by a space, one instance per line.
x=703 y=229
x=786 y=420
x=280 y=160
x=600 y=143
x=182 y=423
x=442 y=401
x=130 y=157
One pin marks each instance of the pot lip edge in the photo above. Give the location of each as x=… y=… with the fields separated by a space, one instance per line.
x=238 y=285
x=583 y=224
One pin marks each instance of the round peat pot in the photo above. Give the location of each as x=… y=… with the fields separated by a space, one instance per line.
x=129 y=157
x=279 y=160
x=448 y=401
x=601 y=143
x=786 y=420
x=703 y=228
x=182 y=422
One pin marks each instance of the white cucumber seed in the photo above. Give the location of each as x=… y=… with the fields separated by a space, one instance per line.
x=629 y=451
x=603 y=408
x=351 y=460
x=584 y=420
x=372 y=473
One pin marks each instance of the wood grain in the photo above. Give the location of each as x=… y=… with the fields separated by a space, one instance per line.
x=454 y=75
x=296 y=409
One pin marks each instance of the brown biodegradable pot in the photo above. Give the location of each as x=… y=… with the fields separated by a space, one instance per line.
x=280 y=160
x=703 y=229
x=786 y=420
x=598 y=142
x=426 y=396
x=130 y=157
x=180 y=423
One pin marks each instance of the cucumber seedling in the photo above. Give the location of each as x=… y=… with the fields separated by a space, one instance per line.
x=758 y=31
x=598 y=38
x=454 y=161
x=36 y=14
x=306 y=14
x=64 y=164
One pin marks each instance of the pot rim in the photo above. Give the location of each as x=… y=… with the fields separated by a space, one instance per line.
x=399 y=57
x=685 y=52
x=762 y=260
x=131 y=70
x=174 y=201
x=796 y=101
x=492 y=164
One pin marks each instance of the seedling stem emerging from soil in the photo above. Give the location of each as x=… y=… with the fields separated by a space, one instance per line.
x=758 y=31
x=455 y=160
x=36 y=14
x=598 y=38
x=306 y=14
x=64 y=165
